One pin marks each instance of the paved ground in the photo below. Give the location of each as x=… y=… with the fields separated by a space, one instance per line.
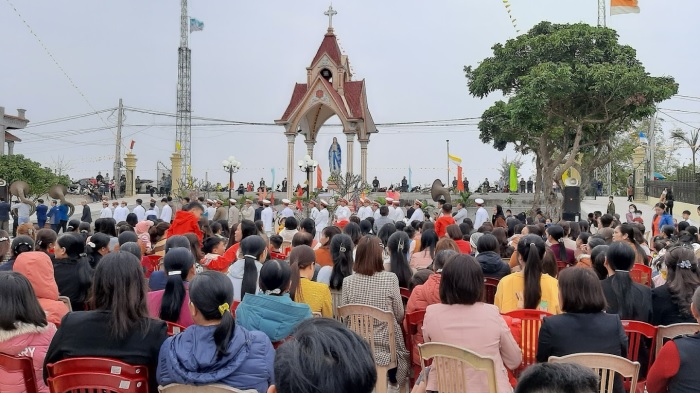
x=621 y=207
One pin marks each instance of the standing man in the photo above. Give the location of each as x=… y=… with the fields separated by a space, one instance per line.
x=404 y=184
x=481 y=214
x=286 y=210
x=210 y=210
x=399 y=215
x=375 y=184
x=139 y=210
x=220 y=213
x=444 y=220
x=417 y=214
x=248 y=211
x=342 y=212
x=87 y=214
x=268 y=217
x=120 y=212
x=262 y=187
x=461 y=213
x=529 y=185
x=106 y=212
x=23 y=211
x=5 y=208
x=366 y=210
x=322 y=219
x=390 y=206
x=166 y=213
x=54 y=215
x=523 y=185
x=409 y=209
x=284 y=185
x=454 y=183
x=383 y=219
x=156 y=208
x=234 y=215
x=630 y=188
x=41 y=211
x=62 y=216
x=258 y=211
x=313 y=212
x=375 y=210
x=465 y=182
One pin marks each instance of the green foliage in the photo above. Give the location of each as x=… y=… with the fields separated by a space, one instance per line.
x=568 y=87
x=381 y=200
x=464 y=197
x=690 y=140
x=40 y=179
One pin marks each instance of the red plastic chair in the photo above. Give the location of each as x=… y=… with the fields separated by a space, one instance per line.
x=234 y=306
x=641 y=274
x=490 y=286
x=414 y=324
x=530 y=323
x=95 y=365
x=69 y=383
x=150 y=264
x=405 y=295
x=16 y=364
x=637 y=334
x=174 y=328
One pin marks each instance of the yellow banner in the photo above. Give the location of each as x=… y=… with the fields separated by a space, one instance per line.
x=454 y=159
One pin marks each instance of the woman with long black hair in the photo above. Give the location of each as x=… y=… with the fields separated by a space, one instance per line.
x=398 y=263
x=170 y=304
x=529 y=288
x=625 y=297
x=72 y=270
x=244 y=272
x=671 y=301
x=555 y=238
x=625 y=233
x=216 y=350
x=302 y=261
x=341 y=250
x=96 y=248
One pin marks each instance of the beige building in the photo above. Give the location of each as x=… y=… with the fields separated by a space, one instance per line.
x=9 y=122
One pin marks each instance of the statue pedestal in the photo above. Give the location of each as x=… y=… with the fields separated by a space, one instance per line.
x=130 y=162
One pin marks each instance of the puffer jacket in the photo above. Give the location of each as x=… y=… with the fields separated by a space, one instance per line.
x=27 y=340
x=190 y=358
x=492 y=265
x=184 y=222
x=425 y=295
x=276 y=316
x=37 y=267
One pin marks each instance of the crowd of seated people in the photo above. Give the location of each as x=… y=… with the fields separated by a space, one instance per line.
x=253 y=321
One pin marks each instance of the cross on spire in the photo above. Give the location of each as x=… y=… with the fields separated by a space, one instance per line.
x=330 y=13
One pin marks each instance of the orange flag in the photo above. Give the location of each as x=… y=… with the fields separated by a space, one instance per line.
x=460 y=185
x=319 y=177
x=618 y=7
x=300 y=193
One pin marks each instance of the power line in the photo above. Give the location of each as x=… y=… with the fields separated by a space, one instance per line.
x=68 y=118
x=680 y=121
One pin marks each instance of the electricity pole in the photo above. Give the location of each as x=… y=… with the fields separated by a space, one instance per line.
x=118 y=149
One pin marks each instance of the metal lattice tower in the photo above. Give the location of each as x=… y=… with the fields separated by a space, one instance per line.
x=601 y=13
x=183 y=122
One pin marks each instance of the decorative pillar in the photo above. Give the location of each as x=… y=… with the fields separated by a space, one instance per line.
x=130 y=178
x=312 y=176
x=10 y=148
x=2 y=131
x=350 y=148
x=290 y=165
x=363 y=160
x=639 y=173
x=175 y=173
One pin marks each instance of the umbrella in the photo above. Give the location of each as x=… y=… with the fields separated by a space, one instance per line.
x=659 y=176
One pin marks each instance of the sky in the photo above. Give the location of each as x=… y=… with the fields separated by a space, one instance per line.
x=251 y=53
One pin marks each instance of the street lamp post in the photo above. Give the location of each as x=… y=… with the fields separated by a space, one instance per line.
x=308 y=165
x=231 y=165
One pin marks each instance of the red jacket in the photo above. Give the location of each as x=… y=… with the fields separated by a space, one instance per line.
x=425 y=295
x=442 y=223
x=184 y=222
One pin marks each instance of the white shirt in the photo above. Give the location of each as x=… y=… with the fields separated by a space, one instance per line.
x=234 y=216
x=167 y=213
x=267 y=217
x=313 y=214
x=417 y=215
x=106 y=212
x=151 y=212
x=22 y=209
x=461 y=215
x=287 y=212
x=321 y=221
x=342 y=212
x=481 y=217
x=140 y=213
x=248 y=212
x=157 y=210
x=391 y=211
x=365 y=212
x=399 y=215
x=211 y=211
x=120 y=213
x=376 y=214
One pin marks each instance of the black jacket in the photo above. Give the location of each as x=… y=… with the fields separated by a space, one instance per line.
x=641 y=298
x=570 y=333
x=87 y=333
x=87 y=215
x=492 y=265
x=666 y=310
x=65 y=271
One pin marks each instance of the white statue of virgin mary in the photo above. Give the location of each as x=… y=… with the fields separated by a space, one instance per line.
x=334 y=154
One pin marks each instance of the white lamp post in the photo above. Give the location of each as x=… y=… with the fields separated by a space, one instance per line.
x=231 y=165
x=307 y=165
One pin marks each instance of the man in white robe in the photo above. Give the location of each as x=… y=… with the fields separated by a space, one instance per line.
x=248 y=211
x=342 y=212
x=399 y=214
x=106 y=211
x=156 y=208
x=140 y=211
x=418 y=214
x=166 y=213
x=120 y=212
x=268 y=218
x=375 y=210
x=322 y=218
x=313 y=211
x=482 y=215
x=365 y=211
x=234 y=214
x=461 y=213
x=286 y=210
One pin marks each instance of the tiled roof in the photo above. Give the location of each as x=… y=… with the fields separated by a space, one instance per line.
x=298 y=94
x=329 y=46
x=10 y=137
x=353 y=95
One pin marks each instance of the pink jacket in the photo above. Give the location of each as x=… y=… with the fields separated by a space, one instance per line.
x=154 y=300
x=37 y=267
x=425 y=295
x=27 y=340
x=421 y=259
x=478 y=328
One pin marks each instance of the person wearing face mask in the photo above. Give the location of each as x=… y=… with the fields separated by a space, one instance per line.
x=630 y=214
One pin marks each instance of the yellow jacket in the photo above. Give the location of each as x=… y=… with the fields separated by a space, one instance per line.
x=317 y=296
x=509 y=294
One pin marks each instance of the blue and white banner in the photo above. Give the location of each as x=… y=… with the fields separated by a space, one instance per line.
x=196 y=25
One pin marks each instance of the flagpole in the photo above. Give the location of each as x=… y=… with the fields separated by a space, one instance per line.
x=448 y=163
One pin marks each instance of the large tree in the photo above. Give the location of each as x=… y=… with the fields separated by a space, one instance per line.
x=567 y=88
x=40 y=179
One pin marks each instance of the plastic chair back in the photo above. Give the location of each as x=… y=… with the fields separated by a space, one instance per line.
x=23 y=364
x=68 y=383
x=94 y=365
x=216 y=388
x=671 y=331
x=66 y=301
x=490 y=286
x=605 y=366
x=451 y=364
x=641 y=274
x=414 y=324
x=336 y=296
x=174 y=328
x=530 y=323
x=636 y=331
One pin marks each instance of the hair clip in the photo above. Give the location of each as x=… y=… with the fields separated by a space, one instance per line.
x=533 y=245
x=2 y=239
x=275 y=291
x=685 y=264
x=343 y=249
x=175 y=273
x=223 y=308
x=82 y=254
x=91 y=244
x=438 y=271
